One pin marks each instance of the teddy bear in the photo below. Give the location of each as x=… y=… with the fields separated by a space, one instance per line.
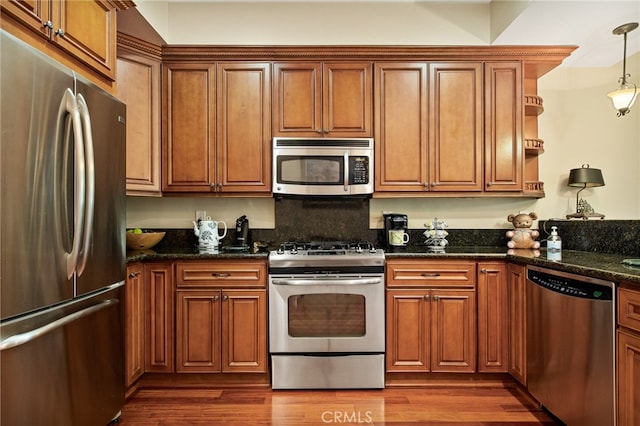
x=523 y=237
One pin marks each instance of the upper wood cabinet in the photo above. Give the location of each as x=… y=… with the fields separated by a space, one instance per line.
x=428 y=127
x=400 y=137
x=504 y=145
x=138 y=86
x=314 y=99
x=216 y=127
x=84 y=29
x=455 y=126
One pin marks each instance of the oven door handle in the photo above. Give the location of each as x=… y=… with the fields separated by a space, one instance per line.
x=336 y=281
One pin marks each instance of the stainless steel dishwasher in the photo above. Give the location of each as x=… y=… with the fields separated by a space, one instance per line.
x=571 y=346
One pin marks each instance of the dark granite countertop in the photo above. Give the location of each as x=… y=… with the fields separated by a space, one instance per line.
x=596 y=265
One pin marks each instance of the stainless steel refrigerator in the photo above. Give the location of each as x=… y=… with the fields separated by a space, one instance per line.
x=62 y=259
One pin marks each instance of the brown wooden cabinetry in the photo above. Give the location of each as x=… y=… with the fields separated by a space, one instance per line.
x=516 y=296
x=159 y=314
x=216 y=127
x=628 y=356
x=134 y=324
x=427 y=140
x=493 y=338
x=221 y=317
x=84 y=29
x=316 y=99
x=504 y=144
x=431 y=322
x=138 y=77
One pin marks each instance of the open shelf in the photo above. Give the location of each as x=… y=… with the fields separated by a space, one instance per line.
x=533 y=105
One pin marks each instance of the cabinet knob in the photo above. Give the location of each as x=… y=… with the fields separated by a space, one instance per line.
x=483 y=270
x=426 y=297
x=212 y=185
x=426 y=184
x=436 y=297
x=48 y=24
x=318 y=131
x=433 y=184
x=218 y=187
x=225 y=297
x=216 y=298
x=60 y=32
x=489 y=183
x=326 y=130
x=133 y=274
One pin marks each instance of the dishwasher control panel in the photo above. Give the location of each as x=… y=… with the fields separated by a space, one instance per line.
x=581 y=287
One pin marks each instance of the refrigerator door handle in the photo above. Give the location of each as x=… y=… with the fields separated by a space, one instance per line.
x=90 y=177
x=22 y=338
x=69 y=105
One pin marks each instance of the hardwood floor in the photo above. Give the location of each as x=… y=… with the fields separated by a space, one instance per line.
x=416 y=406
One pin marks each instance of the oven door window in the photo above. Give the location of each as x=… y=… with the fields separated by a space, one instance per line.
x=310 y=170
x=326 y=315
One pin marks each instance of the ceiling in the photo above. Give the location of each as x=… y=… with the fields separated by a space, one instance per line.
x=584 y=23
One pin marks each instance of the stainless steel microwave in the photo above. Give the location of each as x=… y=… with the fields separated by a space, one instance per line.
x=327 y=166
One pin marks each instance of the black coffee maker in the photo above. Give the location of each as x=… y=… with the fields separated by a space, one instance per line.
x=394 y=221
x=242 y=233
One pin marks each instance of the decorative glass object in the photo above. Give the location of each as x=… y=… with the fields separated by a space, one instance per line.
x=436 y=234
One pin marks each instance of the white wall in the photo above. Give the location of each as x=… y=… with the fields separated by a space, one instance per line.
x=578 y=126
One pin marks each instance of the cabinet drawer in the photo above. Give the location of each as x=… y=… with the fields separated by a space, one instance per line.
x=629 y=308
x=420 y=273
x=228 y=273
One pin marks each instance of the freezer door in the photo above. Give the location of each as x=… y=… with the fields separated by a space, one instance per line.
x=36 y=167
x=64 y=366
x=102 y=260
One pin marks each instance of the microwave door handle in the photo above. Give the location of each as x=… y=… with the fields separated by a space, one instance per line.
x=346 y=171
x=90 y=177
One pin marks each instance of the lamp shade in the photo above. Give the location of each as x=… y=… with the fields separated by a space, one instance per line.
x=586 y=177
x=624 y=98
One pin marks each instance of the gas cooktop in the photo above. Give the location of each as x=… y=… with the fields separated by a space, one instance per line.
x=300 y=254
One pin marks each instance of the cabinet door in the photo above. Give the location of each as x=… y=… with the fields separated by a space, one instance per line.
x=32 y=13
x=408 y=331
x=198 y=331
x=401 y=155
x=138 y=80
x=628 y=370
x=503 y=127
x=134 y=324
x=159 y=315
x=347 y=91
x=297 y=106
x=455 y=126
x=243 y=146
x=493 y=333
x=244 y=331
x=188 y=127
x=516 y=293
x=453 y=330
x=87 y=30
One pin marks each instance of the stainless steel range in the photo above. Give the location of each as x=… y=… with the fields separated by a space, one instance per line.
x=326 y=315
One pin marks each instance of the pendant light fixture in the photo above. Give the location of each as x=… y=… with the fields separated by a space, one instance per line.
x=626 y=94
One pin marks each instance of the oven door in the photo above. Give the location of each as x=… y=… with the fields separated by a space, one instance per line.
x=326 y=314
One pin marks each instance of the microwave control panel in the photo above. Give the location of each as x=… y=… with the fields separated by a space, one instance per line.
x=358 y=170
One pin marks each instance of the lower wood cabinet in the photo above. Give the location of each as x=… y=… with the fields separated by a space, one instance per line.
x=134 y=324
x=628 y=358
x=517 y=307
x=159 y=315
x=431 y=330
x=431 y=316
x=221 y=316
x=493 y=323
x=221 y=331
